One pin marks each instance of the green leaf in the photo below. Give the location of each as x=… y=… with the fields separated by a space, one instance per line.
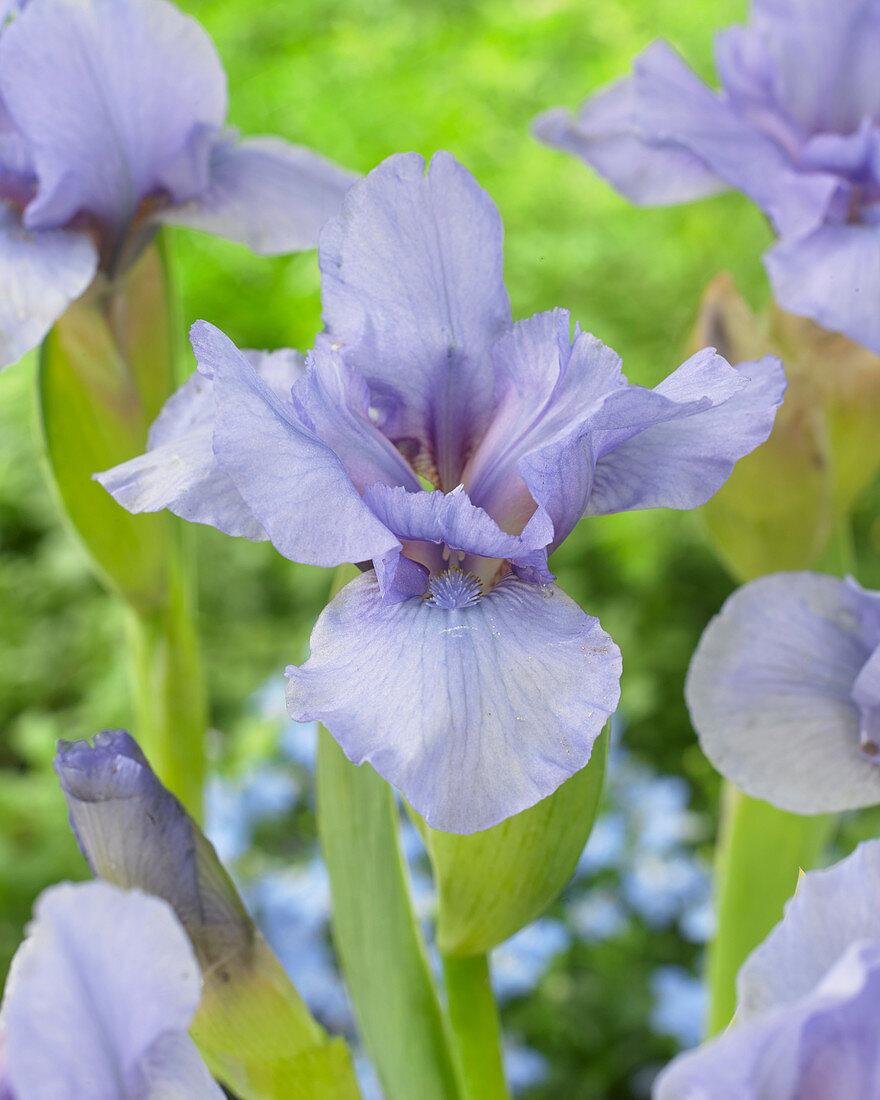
x=491 y=884
x=376 y=931
x=760 y=852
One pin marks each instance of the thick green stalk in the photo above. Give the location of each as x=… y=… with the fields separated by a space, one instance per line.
x=759 y=854
x=106 y=369
x=476 y=1031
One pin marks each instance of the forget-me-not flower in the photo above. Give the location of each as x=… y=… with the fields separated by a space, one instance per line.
x=446 y=450
x=112 y=122
x=784 y=692
x=99 y=1000
x=807 y=1024
x=795 y=127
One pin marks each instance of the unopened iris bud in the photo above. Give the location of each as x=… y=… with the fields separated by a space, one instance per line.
x=135 y=833
x=782 y=504
x=252 y=1028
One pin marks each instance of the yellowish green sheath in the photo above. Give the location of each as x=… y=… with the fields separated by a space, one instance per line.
x=106 y=369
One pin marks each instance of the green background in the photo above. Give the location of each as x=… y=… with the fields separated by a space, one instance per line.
x=358 y=82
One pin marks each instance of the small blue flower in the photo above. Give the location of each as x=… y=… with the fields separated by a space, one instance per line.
x=453 y=664
x=795 y=127
x=112 y=122
x=807 y=1023
x=784 y=692
x=99 y=1001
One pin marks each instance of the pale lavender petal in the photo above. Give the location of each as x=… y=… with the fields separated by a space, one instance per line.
x=474 y=714
x=770 y=694
x=535 y=450
x=673 y=105
x=412 y=282
x=683 y=454
x=336 y=403
x=451 y=519
x=135 y=833
x=605 y=134
x=265 y=193
x=832 y=276
x=104 y=975
x=41 y=273
x=294 y=484
x=179 y=470
x=136 y=89
x=831 y=910
x=825 y=58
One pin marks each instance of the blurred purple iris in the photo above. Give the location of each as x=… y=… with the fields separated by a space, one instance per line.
x=784 y=692
x=447 y=450
x=807 y=1024
x=99 y=1000
x=112 y=122
x=795 y=126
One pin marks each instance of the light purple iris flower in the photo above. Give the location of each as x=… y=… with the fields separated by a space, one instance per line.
x=453 y=664
x=784 y=692
x=807 y=1024
x=99 y=1000
x=112 y=122
x=796 y=127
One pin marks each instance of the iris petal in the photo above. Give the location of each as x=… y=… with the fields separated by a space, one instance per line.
x=41 y=273
x=770 y=694
x=412 y=286
x=473 y=714
x=270 y=195
x=103 y=978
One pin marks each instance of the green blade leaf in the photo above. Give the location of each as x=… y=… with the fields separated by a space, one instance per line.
x=493 y=883
x=376 y=931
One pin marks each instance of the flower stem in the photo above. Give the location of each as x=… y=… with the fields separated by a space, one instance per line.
x=169 y=692
x=476 y=1031
x=760 y=851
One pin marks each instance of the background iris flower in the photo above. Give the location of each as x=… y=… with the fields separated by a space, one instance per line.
x=807 y=1016
x=454 y=665
x=796 y=127
x=99 y=1001
x=112 y=122
x=784 y=692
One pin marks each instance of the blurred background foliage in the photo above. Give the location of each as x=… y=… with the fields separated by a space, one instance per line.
x=604 y=999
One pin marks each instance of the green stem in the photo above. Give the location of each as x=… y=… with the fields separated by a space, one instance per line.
x=840 y=553
x=476 y=1030
x=169 y=691
x=760 y=852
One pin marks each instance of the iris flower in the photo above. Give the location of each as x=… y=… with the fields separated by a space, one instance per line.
x=99 y=1000
x=784 y=692
x=447 y=451
x=112 y=122
x=795 y=127
x=807 y=1024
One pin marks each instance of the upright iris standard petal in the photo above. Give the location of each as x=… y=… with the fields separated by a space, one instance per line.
x=265 y=193
x=807 y=1025
x=680 y=456
x=100 y=998
x=293 y=483
x=179 y=471
x=832 y=275
x=474 y=712
x=770 y=691
x=116 y=98
x=135 y=833
x=413 y=286
x=675 y=106
x=605 y=133
x=41 y=273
